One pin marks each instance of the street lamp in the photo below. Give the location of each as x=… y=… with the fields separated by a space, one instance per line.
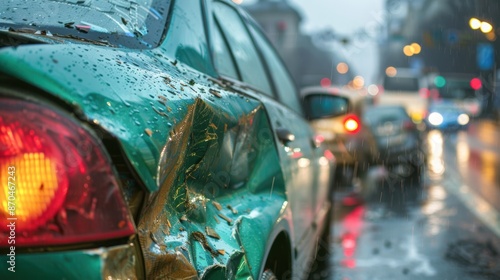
x=416 y=48
x=413 y=49
x=407 y=50
x=486 y=27
x=474 y=23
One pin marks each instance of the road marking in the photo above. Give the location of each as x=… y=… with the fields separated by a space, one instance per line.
x=474 y=202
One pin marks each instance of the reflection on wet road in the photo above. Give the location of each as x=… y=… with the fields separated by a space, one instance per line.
x=448 y=229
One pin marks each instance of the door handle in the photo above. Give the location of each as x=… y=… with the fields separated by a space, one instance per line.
x=285 y=136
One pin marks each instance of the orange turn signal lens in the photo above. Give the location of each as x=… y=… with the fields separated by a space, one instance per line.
x=58 y=185
x=37 y=191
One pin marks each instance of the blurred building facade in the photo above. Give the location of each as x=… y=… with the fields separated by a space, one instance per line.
x=442 y=28
x=449 y=44
x=307 y=62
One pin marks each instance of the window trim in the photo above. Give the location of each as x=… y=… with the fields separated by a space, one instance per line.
x=206 y=28
x=240 y=82
x=231 y=54
x=276 y=95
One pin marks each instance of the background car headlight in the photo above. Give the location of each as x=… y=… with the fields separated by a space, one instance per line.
x=435 y=118
x=463 y=119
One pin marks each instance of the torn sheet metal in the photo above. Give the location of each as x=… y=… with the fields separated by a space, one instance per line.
x=201 y=171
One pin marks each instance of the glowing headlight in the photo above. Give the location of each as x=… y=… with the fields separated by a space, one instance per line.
x=463 y=119
x=435 y=118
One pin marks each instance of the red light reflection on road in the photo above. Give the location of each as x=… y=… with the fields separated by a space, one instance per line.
x=352 y=225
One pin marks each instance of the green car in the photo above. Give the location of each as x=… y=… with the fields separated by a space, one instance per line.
x=152 y=140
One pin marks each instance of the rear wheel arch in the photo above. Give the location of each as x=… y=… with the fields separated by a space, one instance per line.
x=279 y=255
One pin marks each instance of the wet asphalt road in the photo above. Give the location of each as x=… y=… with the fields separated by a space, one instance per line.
x=449 y=229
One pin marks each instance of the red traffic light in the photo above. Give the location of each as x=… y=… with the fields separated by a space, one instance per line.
x=476 y=83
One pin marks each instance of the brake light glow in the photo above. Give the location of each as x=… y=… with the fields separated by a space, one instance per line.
x=65 y=189
x=351 y=124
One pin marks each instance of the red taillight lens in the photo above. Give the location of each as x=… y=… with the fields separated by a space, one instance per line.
x=62 y=188
x=351 y=124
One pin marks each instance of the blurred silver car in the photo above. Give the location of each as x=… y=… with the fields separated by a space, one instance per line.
x=397 y=139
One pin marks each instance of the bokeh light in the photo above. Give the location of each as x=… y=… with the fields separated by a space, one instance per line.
x=325 y=82
x=358 y=82
x=491 y=36
x=486 y=27
x=416 y=48
x=391 y=71
x=373 y=90
x=407 y=50
x=440 y=81
x=342 y=68
x=476 y=84
x=474 y=23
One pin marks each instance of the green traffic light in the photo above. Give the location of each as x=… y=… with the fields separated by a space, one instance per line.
x=440 y=81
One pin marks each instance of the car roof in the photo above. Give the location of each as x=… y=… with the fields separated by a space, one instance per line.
x=388 y=106
x=351 y=94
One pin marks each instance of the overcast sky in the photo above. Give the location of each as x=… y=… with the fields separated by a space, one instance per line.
x=347 y=17
x=343 y=16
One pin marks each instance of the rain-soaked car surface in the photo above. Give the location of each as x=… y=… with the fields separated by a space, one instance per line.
x=156 y=140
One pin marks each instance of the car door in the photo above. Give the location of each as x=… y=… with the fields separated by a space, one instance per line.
x=302 y=158
x=262 y=74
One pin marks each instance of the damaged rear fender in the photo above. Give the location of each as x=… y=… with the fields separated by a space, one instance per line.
x=221 y=194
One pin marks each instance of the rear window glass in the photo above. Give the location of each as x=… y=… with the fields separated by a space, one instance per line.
x=401 y=83
x=375 y=115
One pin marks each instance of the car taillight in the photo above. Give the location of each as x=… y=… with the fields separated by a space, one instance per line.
x=58 y=186
x=351 y=124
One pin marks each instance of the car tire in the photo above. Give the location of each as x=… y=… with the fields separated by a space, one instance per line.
x=268 y=275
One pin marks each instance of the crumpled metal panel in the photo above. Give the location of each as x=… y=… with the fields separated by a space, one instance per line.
x=120 y=262
x=207 y=154
x=208 y=198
